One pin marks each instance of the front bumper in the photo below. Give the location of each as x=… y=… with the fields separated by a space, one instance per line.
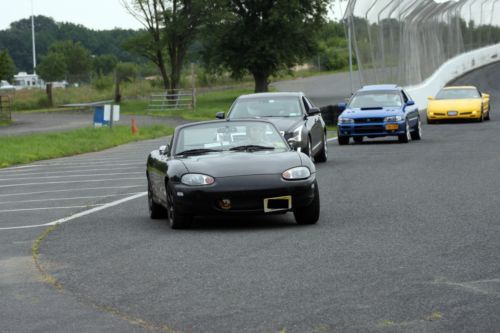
x=372 y=129
x=443 y=115
x=246 y=195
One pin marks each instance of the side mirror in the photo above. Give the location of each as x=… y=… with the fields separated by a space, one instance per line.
x=485 y=95
x=313 y=111
x=430 y=98
x=410 y=103
x=220 y=115
x=164 y=150
x=342 y=106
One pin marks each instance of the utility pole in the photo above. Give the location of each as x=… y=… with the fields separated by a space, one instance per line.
x=349 y=40
x=33 y=37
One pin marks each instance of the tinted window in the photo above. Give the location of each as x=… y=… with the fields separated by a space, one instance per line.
x=458 y=93
x=374 y=99
x=266 y=107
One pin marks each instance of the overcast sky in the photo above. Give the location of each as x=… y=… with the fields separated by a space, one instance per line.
x=93 y=14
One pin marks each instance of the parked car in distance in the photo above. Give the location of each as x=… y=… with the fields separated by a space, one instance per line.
x=6 y=86
x=459 y=102
x=297 y=119
x=379 y=111
x=230 y=167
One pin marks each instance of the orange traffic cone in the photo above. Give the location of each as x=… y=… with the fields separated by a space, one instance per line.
x=134 y=127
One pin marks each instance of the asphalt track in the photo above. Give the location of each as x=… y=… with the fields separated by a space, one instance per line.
x=408 y=241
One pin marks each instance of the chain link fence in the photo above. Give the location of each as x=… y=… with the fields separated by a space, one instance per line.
x=405 y=41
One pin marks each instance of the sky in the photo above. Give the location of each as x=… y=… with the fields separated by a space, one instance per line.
x=93 y=14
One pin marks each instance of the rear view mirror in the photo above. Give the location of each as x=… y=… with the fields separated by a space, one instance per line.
x=164 y=150
x=313 y=111
x=220 y=115
x=430 y=98
x=410 y=103
x=342 y=106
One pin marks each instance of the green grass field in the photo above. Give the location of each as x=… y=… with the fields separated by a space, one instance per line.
x=30 y=148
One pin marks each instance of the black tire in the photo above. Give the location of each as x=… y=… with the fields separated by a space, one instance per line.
x=358 y=139
x=156 y=211
x=343 y=140
x=417 y=131
x=309 y=214
x=430 y=122
x=406 y=136
x=176 y=219
x=308 y=151
x=488 y=114
x=322 y=156
x=481 y=117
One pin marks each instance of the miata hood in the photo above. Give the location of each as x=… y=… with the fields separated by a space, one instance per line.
x=455 y=105
x=228 y=164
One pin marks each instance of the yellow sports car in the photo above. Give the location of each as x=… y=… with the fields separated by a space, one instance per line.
x=465 y=102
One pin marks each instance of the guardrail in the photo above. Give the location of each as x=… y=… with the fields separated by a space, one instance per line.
x=179 y=100
x=451 y=70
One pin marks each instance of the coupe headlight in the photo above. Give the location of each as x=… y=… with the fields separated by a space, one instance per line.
x=296 y=134
x=296 y=173
x=197 y=179
x=343 y=120
x=393 y=119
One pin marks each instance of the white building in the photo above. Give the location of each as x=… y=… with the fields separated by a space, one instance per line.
x=25 y=80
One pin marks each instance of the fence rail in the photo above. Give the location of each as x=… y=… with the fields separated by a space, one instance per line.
x=179 y=100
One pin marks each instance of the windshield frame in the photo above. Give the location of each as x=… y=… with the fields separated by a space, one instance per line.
x=458 y=89
x=280 y=144
x=376 y=92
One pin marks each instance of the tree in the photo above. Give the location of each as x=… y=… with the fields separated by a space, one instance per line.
x=52 y=68
x=124 y=72
x=76 y=58
x=105 y=64
x=171 y=26
x=263 y=37
x=7 y=67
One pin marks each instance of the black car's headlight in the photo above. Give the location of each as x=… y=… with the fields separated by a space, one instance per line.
x=296 y=134
x=296 y=173
x=393 y=119
x=344 y=120
x=197 y=179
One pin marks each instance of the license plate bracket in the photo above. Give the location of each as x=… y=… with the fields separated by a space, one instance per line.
x=277 y=204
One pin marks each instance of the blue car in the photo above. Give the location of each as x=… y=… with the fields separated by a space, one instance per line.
x=378 y=111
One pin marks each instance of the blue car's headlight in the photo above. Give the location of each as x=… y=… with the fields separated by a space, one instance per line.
x=344 y=120
x=197 y=179
x=296 y=173
x=393 y=119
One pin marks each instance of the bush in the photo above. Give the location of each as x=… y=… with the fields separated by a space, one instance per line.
x=102 y=82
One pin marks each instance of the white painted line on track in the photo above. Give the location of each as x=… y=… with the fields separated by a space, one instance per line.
x=8 y=172
x=72 y=182
x=69 y=176
x=71 y=190
x=66 y=199
x=136 y=166
x=45 y=208
x=75 y=216
x=332 y=139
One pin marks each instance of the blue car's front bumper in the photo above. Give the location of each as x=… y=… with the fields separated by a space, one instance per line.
x=372 y=129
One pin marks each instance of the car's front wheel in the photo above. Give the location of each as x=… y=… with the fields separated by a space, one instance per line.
x=176 y=219
x=156 y=211
x=487 y=117
x=417 y=131
x=308 y=214
x=322 y=156
x=406 y=136
x=342 y=139
x=358 y=139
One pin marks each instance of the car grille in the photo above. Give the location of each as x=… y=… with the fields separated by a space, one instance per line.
x=368 y=120
x=369 y=129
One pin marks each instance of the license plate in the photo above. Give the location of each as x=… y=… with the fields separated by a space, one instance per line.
x=277 y=204
x=391 y=127
x=452 y=113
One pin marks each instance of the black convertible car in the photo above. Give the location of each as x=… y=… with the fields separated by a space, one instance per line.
x=230 y=167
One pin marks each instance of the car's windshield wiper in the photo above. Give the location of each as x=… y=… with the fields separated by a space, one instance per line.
x=251 y=147
x=198 y=151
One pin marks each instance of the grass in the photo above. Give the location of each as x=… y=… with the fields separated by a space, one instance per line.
x=35 y=147
x=5 y=122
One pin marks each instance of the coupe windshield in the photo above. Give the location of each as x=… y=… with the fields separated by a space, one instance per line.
x=266 y=107
x=465 y=93
x=233 y=136
x=376 y=99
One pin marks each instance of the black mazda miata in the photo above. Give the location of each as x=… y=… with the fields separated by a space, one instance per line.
x=230 y=167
